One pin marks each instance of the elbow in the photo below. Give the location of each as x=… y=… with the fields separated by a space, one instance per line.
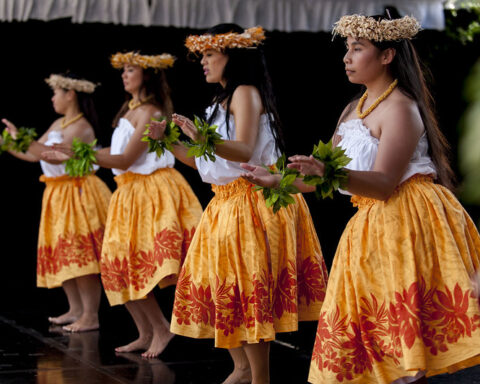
x=384 y=194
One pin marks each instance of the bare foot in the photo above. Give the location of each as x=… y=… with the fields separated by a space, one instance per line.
x=84 y=324
x=66 y=318
x=239 y=376
x=158 y=344
x=142 y=343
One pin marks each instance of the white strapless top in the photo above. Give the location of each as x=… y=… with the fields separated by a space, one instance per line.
x=53 y=170
x=147 y=163
x=362 y=148
x=223 y=171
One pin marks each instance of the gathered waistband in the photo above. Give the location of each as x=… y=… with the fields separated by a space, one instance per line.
x=361 y=201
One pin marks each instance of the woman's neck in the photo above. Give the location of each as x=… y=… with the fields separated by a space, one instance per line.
x=377 y=87
x=139 y=95
x=71 y=112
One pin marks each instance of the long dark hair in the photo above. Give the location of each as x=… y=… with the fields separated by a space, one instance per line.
x=407 y=68
x=85 y=103
x=246 y=66
x=155 y=83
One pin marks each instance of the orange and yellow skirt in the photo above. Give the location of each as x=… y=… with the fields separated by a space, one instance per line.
x=399 y=300
x=74 y=211
x=151 y=221
x=249 y=273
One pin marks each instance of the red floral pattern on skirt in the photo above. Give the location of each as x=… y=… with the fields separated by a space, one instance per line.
x=225 y=307
x=437 y=317
x=140 y=266
x=71 y=248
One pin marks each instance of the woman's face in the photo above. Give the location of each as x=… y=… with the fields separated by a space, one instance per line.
x=213 y=63
x=61 y=100
x=363 y=61
x=132 y=77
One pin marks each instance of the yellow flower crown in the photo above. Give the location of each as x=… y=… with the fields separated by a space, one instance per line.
x=59 y=81
x=162 y=61
x=249 y=38
x=377 y=30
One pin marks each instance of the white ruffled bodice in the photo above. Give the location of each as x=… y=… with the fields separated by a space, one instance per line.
x=53 y=170
x=147 y=163
x=223 y=171
x=362 y=148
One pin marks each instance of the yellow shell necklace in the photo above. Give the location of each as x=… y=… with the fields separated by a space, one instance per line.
x=64 y=124
x=383 y=96
x=132 y=104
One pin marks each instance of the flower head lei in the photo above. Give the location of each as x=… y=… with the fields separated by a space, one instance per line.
x=369 y=28
x=249 y=38
x=79 y=85
x=165 y=60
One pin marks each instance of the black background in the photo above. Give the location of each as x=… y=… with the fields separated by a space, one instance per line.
x=309 y=80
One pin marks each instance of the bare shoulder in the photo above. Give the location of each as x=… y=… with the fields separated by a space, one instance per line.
x=348 y=112
x=246 y=95
x=402 y=114
x=149 y=109
x=82 y=129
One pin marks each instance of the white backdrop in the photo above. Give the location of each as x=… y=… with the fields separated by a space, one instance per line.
x=283 y=15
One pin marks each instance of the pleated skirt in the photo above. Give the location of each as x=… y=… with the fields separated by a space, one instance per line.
x=399 y=301
x=74 y=212
x=151 y=222
x=249 y=273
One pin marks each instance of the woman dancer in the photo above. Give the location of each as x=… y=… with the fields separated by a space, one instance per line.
x=399 y=303
x=153 y=213
x=249 y=273
x=74 y=209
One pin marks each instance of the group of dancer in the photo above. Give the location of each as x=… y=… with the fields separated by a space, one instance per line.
x=400 y=303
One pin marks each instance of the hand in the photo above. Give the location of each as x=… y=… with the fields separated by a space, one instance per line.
x=63 y=148
x=11 y=128
x=186 y=125
x=157 y=129
x=307 y=165
x=260 y=176
x=54 y=155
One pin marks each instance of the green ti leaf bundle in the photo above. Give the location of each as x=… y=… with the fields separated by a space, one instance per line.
x=25 y=137
x=281 y=196
x=6 y=141
x=82 y=160
x=335 y=175
x=205 y=146
x=171 y=135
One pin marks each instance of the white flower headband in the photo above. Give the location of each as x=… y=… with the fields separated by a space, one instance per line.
x=377 y=30
x=79 y=85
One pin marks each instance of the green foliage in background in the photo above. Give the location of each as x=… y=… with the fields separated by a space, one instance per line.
x=469 y=144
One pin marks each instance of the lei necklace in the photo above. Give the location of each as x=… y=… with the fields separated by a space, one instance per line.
x=132 y=104
x=64 y=124
x=382 y=97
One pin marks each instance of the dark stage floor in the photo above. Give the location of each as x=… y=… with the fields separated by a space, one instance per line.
x=33 y=352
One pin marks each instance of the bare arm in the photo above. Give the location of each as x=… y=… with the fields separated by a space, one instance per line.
x=134 y=148
x=246 y=108
x=36 y=147
x=400 y=133
x=399 y=138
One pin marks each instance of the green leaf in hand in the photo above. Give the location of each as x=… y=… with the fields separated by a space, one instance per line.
x=25 y=137
x=171 y=135
x=280 y=196
x=82 y=160
x=208 y=139
x=335 y=175
x=6 y=141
